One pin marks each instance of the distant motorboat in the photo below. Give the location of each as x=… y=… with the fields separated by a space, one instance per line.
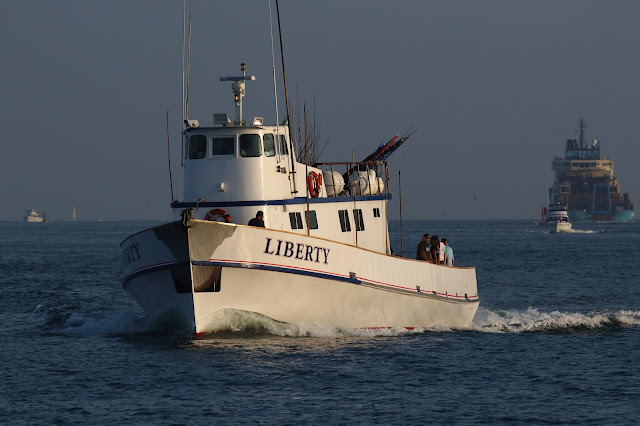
x=556 y=216
x=32 y=216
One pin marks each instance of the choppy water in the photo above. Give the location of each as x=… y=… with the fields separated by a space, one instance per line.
x=556 y=340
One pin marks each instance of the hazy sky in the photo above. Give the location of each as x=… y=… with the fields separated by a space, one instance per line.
x=493 y=87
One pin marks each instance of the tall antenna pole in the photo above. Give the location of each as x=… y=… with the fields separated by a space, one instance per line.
x=306 y=167
x=400 y=195
x=286 y=98
x=184 y=41
x=186 y=104
x=275 y=85
x=184 y=117
x=169 y=155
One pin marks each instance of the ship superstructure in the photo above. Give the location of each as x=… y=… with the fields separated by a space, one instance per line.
x=585 y=181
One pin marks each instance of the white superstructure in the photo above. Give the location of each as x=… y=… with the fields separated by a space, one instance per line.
x=31 y=215
x=323 y=255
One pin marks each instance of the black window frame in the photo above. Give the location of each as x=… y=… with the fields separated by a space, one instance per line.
x=345 y=224
x=295 y=219
x=201 y=153
x=272 y=144
x=376 y=212
x=284 y=148
x=255 y=138
x=215 y=148
x=358 y=219
x=312 y=223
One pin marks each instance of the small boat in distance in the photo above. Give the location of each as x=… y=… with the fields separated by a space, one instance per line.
x=32 y=216
x=557 y=217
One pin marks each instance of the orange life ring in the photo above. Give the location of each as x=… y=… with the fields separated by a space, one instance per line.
x=314 y=182
x=213 y=214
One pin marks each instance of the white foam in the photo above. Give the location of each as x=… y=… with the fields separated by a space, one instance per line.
x=531 y=320
x=534 y=320
x=243 y=321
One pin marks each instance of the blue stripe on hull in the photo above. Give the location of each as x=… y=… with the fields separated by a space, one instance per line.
x=289 y=201
x=278 y=269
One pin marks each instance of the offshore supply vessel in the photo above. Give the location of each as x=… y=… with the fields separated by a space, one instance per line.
x=586 y=183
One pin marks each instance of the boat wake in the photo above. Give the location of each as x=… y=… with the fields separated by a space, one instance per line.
x=236 y=323
x=576 y=231
x=535 y=321
x=121 y=323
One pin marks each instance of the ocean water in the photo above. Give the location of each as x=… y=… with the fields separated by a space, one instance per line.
x=556 y=340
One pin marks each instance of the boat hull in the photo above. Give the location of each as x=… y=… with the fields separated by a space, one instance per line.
x=561 y=227
x=291 y=278
x=585 y=216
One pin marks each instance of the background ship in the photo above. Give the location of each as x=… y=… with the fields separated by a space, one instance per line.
x=586 y=182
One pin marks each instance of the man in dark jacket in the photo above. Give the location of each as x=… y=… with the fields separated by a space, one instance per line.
x=423 y=249
x=258 y=220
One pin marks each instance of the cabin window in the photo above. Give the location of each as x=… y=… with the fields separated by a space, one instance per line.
x=250 y=146
x=223 y=146
x=357 y=216
x=284 y=149
x=312 y=222
x=269 y=145
x=197 y=147
x=296 y=220
x=344 y=220
x=376 y=212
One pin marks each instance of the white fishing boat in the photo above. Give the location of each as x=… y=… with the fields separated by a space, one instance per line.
x=323 y=255
x=556 y=217
x=31 y=215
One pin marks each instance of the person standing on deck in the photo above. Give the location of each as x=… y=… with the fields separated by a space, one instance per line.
x=448 y=254
x=441 y=253
x=423 y=249
x=435 y=249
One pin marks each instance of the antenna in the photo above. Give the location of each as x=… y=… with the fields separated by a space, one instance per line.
x=582 y=126
x=275 y=86
x=286 y=98
x=238 y=91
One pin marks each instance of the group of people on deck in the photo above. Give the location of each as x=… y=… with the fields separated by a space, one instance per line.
x=435 y=251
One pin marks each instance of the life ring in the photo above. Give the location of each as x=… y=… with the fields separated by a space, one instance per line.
x=216 y=214
x=314 y=182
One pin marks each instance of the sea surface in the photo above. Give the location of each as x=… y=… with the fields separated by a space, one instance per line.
x=556 y=340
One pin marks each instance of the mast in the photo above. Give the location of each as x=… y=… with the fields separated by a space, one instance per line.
x=582 y=127
x=286 y=98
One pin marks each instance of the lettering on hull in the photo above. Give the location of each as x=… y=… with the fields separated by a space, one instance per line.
x=300 y=251
x=131 y=254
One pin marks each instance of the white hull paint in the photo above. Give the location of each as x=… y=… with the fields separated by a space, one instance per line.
x=209 y=267
x=561 y=227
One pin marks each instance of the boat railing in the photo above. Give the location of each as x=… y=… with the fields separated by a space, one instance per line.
x=356 y=178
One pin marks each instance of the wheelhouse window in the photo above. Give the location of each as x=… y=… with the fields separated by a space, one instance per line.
x=345 y=225
x=296 y=220
x=223 y=146
x=284 y=149
x=376 y=212
x=197 y=147
x=312 y=222
x=357 y=216
x=269 y=145
x=250 y=146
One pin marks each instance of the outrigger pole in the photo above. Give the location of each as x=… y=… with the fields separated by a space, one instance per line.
x=286 y=98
